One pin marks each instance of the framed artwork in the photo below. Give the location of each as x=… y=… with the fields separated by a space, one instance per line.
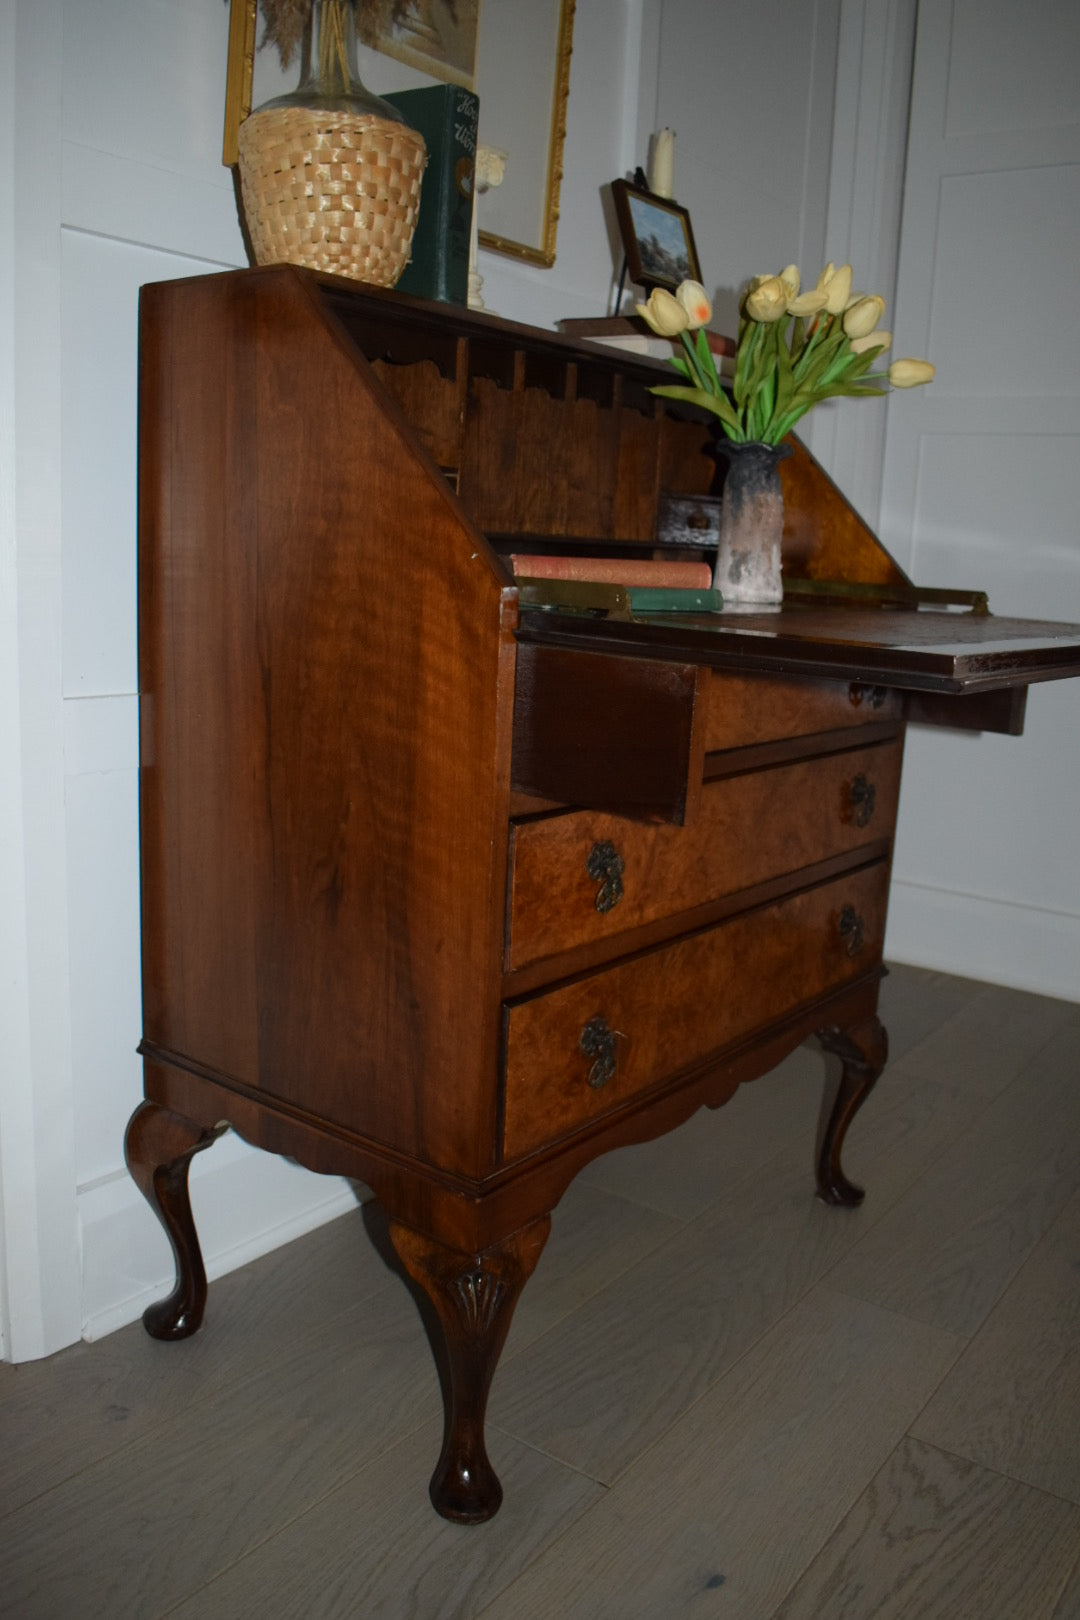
x=514 y=53
x=523 y=81
x=437 y=36
x=657 y=237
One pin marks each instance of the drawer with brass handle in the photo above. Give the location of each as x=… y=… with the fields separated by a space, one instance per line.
x=583 y=1049
x=584 y=876
x=743 y=710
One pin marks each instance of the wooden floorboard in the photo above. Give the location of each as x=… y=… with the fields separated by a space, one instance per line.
x=735 y=1499
x=1011 y=1401
x=613 y=1377
x=376 y=1548
x=946 y=1251
x=718 y=1398
x=64 y=1414
x=934 y=1535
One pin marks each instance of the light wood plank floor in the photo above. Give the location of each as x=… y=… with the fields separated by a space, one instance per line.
x=719 y=1398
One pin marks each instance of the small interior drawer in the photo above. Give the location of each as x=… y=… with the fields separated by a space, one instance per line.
x=584 y=1049
x=584 y=876
x=613 y=733
x=742 y=710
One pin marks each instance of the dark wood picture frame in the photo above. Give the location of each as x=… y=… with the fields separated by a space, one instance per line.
x=657 y=237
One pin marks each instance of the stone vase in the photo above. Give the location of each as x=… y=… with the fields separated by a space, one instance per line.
x=751 y=525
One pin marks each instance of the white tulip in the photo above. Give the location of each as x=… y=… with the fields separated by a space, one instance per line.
x=836 y=285
x=767 y=299
x=910 y=373
x=862 y=316
x=664 y=313
x=872 y=340
x=695 y=301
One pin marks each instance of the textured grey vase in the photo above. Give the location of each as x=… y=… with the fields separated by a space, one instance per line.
x=751 y=524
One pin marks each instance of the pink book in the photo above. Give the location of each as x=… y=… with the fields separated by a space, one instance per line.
x=616 y=571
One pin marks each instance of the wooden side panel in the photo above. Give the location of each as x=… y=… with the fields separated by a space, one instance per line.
x=433 y=404
x=637 y=474
x=589 y=450
x=201 y=753
x=550 y=464
x=537 y=425
x=687 y=456
x=824 y=536
x=326 y=667
x=1001 y=711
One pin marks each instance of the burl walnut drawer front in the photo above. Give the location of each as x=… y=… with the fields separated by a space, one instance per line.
x=582 y=1050
x=583 y=876
x=746 y=709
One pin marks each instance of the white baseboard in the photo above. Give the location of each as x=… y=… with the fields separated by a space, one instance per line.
x=245 y=1203
x=1024 y=947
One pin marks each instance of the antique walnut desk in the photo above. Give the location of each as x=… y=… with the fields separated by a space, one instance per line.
x=449 y=893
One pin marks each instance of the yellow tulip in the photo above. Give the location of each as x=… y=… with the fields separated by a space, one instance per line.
x=807 y=303
x=872 y=340
x=863 y=315
x=910 y=373
x=664 y=313
x=836 y=285
x=789 y=275
x=695 y=301
x=767 y=299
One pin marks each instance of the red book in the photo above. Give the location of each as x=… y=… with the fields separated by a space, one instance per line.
x=615 y=570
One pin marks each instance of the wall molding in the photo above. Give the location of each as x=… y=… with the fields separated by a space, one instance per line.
x=875 y=54
x=997 y=941
x=246 y=1203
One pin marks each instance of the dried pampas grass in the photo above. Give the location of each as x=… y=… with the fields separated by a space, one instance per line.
x=284 y=23
x=285 y=20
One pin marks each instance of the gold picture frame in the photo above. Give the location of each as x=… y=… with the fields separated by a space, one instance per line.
x=238 y=74
x=526 y=214
x=436 y=36
x=534 y=151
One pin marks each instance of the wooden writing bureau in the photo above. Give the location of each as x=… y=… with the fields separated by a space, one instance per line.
x=451 y=895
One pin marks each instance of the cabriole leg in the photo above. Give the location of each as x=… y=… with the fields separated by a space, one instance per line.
x=159 y=1147
x=473 y=1296
x=863 y=1050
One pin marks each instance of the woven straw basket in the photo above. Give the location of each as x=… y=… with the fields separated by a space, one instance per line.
x=335 y=191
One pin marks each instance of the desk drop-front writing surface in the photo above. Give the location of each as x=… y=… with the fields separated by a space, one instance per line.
x=449 y=894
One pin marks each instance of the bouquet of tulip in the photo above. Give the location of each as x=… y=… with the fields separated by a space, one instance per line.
x=794 y=350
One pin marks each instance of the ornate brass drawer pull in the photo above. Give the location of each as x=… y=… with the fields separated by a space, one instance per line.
x=852 y=928
x=861 y=800
x=598 y=1041
x=605 y=866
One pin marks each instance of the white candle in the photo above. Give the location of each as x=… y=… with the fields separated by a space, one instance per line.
x=662 y=172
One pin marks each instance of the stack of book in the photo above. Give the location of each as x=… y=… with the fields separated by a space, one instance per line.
x=615 y=584
x=630 y=332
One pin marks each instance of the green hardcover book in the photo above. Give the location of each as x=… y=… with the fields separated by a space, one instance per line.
x=671 y=599
x=446 y=116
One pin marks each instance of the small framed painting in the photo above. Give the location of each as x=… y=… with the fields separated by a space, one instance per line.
x=657 y=237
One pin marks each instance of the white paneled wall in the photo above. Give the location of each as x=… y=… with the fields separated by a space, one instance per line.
x=748 y=90
x=981 y=483
x=111 y=177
